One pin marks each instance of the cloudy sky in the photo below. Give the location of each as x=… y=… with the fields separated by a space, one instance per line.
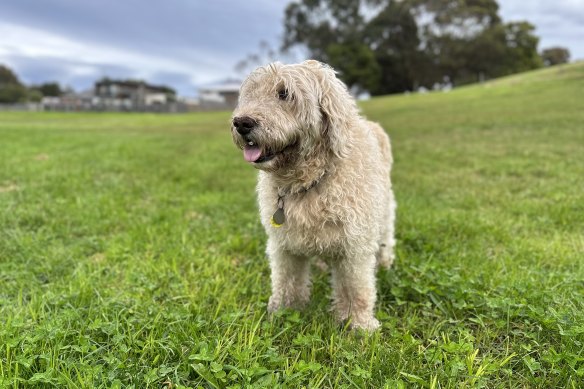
x=186 y=43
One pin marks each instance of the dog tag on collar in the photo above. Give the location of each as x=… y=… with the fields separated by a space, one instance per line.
x=278 y=218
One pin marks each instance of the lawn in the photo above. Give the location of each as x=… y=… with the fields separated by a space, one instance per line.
x=131 y=254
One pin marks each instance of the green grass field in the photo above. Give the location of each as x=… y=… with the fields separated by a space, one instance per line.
x=131 y=254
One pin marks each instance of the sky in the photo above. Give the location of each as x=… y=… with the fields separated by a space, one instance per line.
x=187 y=44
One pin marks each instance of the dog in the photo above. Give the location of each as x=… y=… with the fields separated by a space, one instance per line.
x=324 y=185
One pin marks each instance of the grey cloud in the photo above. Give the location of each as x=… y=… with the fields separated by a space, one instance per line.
x=209 y=37
x=181 y=82
x=558 y=23
x=43 y=69
x=182 y=29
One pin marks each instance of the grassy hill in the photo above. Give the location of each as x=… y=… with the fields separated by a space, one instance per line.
x=131 y=252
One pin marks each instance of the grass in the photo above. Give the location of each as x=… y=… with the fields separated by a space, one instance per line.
x=131 y=254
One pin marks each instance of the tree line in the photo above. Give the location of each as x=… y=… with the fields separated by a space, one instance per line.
x=391 y=46
x=12 y=90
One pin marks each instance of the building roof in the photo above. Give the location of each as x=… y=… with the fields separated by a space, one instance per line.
x=134 y=84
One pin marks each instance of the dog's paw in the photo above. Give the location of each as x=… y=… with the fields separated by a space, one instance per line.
x=277 y=303
x=385 y=257
x=274 y=303
x=370 y=324
x=356 y=321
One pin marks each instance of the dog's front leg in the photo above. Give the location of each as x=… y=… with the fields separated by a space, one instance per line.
x=354 y=291
x=290 y=279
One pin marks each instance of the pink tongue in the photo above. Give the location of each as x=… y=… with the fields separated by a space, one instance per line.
x=251 y=153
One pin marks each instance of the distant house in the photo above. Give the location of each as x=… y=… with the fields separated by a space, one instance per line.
x=190 y=104
x=131 y=95
x=69 y=101
x=220 y=96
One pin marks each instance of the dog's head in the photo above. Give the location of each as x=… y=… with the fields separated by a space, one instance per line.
x=289 y=113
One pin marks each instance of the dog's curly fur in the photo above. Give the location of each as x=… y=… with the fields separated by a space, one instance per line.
x=332 y=169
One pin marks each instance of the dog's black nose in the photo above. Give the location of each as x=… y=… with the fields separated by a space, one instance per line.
x=244 y=124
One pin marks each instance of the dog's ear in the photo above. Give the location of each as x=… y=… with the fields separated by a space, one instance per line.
x=338 y=108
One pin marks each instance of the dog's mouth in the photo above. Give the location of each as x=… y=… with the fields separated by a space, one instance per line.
x=252 y=153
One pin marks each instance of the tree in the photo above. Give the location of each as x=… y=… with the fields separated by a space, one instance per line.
x=405 y=44
x=7 y=76
x=11 y=90
x=338 y=33
x=393 y=36
x=34 y=95
x=169 y=92
x=50 y=89
x=333 y=31
x=356 y=64
x=458 y=38
x=555 y=56
x=321 y=23
x=468 y=42
x=462 y=18
x=521 y=48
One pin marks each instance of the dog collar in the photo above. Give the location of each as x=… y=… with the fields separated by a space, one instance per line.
x=278 y=218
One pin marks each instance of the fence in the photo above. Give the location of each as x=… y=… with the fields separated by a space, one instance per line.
x=176 y=107
x=24 y=107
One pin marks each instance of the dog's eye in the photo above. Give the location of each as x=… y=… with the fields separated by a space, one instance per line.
x=283 y=94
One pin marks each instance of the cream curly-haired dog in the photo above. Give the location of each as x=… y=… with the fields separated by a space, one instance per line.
x=324 y=184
